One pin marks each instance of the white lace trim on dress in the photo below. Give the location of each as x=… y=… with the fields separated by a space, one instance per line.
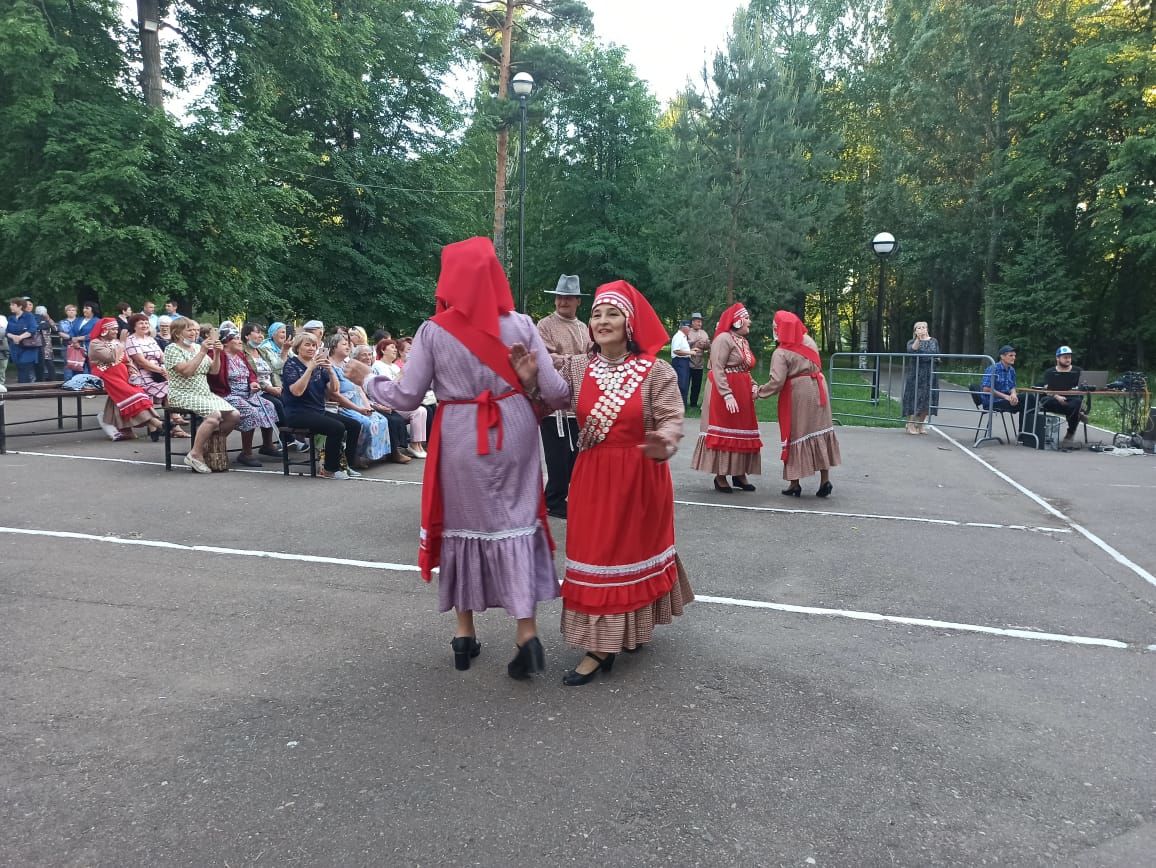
x=820 y=433
x=492 y=535
x=620 y=569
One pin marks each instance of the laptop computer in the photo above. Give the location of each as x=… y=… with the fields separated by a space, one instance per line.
x=1095 y=379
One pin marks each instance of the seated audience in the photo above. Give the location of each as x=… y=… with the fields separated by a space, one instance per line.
x=147 y=364
x=275 y=348
x=387 y=366
x=164 y=335
x=372 y=443
x=127 y=406
x=188 y=365
x=236 y=382
x=999 y=384
x=307 y=381
x=1065 y=377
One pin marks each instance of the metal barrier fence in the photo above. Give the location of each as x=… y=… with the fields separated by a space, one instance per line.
x=879 y=380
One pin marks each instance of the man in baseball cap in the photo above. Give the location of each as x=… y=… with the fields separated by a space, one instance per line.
x=1065 y=377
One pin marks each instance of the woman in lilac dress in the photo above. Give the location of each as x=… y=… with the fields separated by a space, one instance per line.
x=483 y=513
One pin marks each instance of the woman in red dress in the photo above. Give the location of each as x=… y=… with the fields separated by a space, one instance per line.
x=623 y=575
x=728 y=442
x=128 y=406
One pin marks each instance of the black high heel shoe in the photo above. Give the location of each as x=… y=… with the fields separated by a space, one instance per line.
x=465 y=648
x=574 y=678
x=825 y=489
x=795 y=490
x=531 y=658
x=722 y=487
x=745 y=486
x=155 y=433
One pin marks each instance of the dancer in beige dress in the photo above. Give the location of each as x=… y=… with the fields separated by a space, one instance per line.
x=808 y=433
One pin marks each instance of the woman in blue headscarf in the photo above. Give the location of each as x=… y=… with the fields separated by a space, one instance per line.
x=275 y=350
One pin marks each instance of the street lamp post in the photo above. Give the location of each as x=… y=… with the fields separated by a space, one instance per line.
x=523 y=85
x=884 y=244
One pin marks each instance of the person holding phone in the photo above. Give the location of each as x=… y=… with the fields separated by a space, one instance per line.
x=920 y=384
x=188 y=365
x=307 y=381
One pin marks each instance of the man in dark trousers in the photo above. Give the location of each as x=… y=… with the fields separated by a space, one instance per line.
x=1065 y=377
x=699 y=345
x=564 y=335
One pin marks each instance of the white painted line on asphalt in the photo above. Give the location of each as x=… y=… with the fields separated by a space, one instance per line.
x=181 y=467
x=216 y=550
x=921 y=622
x=877 y=516
x=1007 y=632
x=1111 y=551
x=946 y=522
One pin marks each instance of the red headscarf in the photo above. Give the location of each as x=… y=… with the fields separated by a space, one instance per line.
x=473 y=282
x=642 y=323
x=99 y=327
x=790 y=330
x=730 y=316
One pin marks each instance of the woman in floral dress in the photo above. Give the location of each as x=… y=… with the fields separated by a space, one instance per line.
x=244 y=394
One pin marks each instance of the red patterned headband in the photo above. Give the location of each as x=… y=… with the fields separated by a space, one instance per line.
x=618 y=300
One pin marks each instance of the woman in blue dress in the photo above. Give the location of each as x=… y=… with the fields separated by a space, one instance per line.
x=23 y=329
x=373 y=444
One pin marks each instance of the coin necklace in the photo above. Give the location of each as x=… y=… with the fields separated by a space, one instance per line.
x=617 y=381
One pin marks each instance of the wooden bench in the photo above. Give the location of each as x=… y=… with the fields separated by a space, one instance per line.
x=288 y=435
x=30 y=391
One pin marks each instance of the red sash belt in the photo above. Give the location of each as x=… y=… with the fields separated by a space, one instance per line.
x=489 y=416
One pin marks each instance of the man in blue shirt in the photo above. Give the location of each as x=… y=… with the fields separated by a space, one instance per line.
x=999 y=383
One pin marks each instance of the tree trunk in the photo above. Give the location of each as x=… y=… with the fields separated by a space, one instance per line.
x=149 y=21
x=503 y=133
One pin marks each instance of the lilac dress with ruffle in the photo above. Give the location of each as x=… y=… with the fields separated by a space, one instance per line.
x=494 y=548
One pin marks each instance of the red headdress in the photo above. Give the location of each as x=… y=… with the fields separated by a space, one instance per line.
x=790 y=330
x=642 y=324
x=100 y=326
x=472 y=282
x=730 y=316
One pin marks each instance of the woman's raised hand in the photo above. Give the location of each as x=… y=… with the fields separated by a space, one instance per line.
x=525 y=366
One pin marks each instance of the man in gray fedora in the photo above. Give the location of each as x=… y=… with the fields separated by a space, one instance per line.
x=564 y=335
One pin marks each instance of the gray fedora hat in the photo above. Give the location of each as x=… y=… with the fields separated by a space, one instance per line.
x=567 y=285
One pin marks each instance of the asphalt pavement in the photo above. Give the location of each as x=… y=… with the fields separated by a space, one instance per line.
x=951 y=661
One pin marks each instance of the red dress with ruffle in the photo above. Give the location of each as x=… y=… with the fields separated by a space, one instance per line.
x=735 y=432
x=620 y=553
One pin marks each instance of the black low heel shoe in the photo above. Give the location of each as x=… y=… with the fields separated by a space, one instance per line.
x=723 y=487
x=825 y=489
x=531 y=658
x=745 y=486
x=155 y=434
x=465 y=648
x=574 y=678
x=793 y=491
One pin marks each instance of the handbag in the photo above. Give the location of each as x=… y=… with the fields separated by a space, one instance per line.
x=33 y=341
x=74 y=358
